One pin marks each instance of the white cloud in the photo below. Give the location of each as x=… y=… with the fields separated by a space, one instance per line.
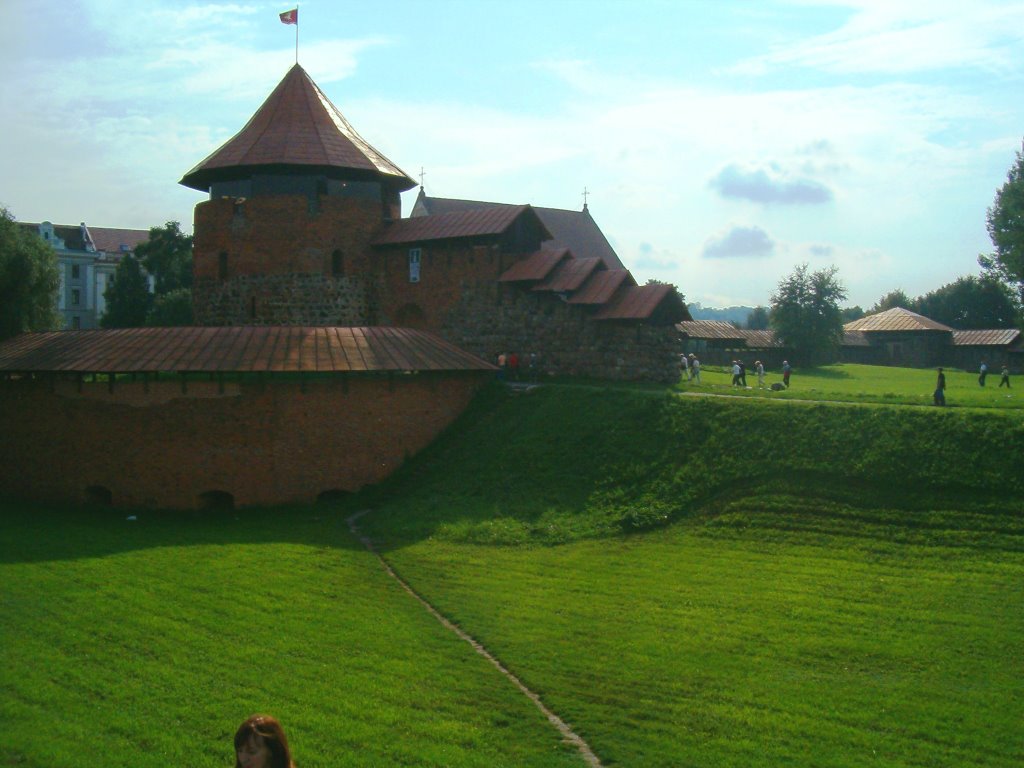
x=768 y=184
x=882 y=36
x=739 y=242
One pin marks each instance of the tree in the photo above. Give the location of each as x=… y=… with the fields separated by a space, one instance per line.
x=1006 y=228
x=891 y=300
x=806 y=316
x=167 y=256
x=971 y=302
x=29 y=279
x=757 y=320
x=128 y=297
x=852 y=313
x=171 y=308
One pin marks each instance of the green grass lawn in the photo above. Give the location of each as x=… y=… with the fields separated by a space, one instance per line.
x=783 y=630
x=868 y=384
x=146 y=643
x=686 y=581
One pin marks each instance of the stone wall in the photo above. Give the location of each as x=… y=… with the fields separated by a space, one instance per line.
x=264 y=442
x=491 y=318
x=291 y=299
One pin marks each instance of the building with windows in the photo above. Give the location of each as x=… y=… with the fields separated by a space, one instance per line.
x=87 y=258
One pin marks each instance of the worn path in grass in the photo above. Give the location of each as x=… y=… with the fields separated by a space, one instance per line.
x=567 y=732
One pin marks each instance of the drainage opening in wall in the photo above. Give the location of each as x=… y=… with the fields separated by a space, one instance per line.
x=99 y=494
x=216 y=500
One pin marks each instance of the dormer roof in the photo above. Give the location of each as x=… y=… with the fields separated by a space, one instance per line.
x=297 y=128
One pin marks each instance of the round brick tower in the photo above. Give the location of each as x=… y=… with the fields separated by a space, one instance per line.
x=295 y=198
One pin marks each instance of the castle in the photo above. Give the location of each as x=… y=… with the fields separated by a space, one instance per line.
x=334 y=338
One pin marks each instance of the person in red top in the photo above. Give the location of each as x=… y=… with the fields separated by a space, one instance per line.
x=513 y=366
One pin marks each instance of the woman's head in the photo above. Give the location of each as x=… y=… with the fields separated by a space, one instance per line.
x=260 y=743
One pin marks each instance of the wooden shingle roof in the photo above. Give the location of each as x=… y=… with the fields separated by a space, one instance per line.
x=998 y=337
x=297 y=127
x=895 y=319
x=235 y=349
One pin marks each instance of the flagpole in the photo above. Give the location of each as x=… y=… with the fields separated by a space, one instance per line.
x=296 y=33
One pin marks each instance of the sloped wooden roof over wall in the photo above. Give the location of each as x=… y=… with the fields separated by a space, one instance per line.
x=235 y=349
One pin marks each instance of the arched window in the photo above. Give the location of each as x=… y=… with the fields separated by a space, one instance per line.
x=222 y=265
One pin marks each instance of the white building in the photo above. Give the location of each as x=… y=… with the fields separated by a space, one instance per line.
x=87 y=258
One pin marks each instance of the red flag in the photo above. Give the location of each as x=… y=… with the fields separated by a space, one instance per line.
x=290 y=17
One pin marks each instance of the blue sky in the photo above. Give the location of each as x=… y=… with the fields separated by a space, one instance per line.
x=722 y=143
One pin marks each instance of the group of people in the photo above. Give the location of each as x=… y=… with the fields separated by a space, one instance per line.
x=1004 y=379
x=509 y=364
x=690 y=366
x=940 y=383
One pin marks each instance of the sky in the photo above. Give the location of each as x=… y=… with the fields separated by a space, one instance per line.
x=720 y=143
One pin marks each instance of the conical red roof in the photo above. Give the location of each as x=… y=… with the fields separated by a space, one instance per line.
x=297 y=126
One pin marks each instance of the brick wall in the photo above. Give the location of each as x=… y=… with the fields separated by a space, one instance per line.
x=267 y=442
x=277 y=260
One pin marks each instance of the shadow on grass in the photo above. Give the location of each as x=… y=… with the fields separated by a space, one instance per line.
x=35 y=532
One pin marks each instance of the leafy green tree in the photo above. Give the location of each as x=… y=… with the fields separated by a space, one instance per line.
x=852 y=313
x=806 y=316
x=171 y=308
x=128 y=297
x=167 y=256
x=971 y=302
x=891 y=300
x=29 y=279
x=757 y=320
x=1006 y=228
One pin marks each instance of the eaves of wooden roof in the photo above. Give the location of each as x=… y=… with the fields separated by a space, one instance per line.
x=235 y=349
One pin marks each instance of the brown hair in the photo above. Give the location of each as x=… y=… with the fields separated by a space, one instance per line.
x=269 y=730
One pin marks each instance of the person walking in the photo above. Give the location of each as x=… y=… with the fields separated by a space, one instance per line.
x=1005 y=378
x=759 y=369
x=694 y=368
x=982 y=373
x=786 y=370
x=735 y=373
x=940 y=389
x=684 y=365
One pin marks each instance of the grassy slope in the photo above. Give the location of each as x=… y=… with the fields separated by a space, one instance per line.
x=840 y=586
x=149 y=641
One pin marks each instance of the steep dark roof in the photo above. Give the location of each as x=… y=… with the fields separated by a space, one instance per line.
x=569 y=275
x=536 y=266
x=575 y=230
x=235 y=349
x=297 y=126
x=485 y=221
x=642 y=302
x=601 y=286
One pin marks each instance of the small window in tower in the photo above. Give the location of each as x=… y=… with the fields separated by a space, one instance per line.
x=337 y=264
x=76 y=323
x=76 y=296
x=76 y=271
x=252 y=307
x=222 y=265
x=414 y=265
